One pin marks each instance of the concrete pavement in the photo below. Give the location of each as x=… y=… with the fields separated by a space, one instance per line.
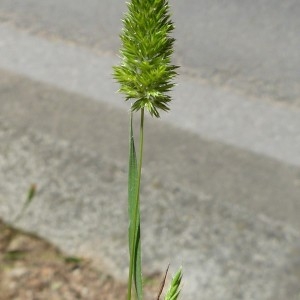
x=221 y=174
x=219 y=114
x=248 y=46
x=194 y=195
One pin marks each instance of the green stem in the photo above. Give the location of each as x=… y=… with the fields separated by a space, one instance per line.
x=137 y=205
x=140 y=157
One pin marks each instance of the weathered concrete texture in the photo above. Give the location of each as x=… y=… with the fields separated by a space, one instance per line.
x=253 y=181
x=218 y=114
x=220 y=190
x=202 y=204
x=249 y=46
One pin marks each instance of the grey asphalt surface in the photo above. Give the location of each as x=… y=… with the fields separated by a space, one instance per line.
x=221 y=175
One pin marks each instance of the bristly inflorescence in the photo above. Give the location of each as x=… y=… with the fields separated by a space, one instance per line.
x=146 y=72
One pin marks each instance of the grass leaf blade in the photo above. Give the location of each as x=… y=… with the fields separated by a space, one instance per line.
x=30 y=195
x=134 y=219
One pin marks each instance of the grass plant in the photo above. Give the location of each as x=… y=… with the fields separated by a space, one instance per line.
x=145 y=76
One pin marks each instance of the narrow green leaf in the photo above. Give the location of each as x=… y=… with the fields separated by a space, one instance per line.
x=134 y=219
x=138 y=279
x=30 y=196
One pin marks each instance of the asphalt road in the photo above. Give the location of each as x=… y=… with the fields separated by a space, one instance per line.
x=249 y=46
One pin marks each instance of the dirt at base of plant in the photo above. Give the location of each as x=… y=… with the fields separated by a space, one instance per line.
x=32 y=269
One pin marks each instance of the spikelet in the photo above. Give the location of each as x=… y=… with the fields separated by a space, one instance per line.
x=174 y=290
x=146 y=73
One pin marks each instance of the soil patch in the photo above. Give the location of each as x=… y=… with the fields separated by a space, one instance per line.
x=33 y=269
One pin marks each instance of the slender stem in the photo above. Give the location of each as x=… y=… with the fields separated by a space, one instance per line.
x=140 y=156
x=137 y=205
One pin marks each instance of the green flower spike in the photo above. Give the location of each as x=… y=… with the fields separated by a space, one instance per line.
x=174 y=290
x=146 y=72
